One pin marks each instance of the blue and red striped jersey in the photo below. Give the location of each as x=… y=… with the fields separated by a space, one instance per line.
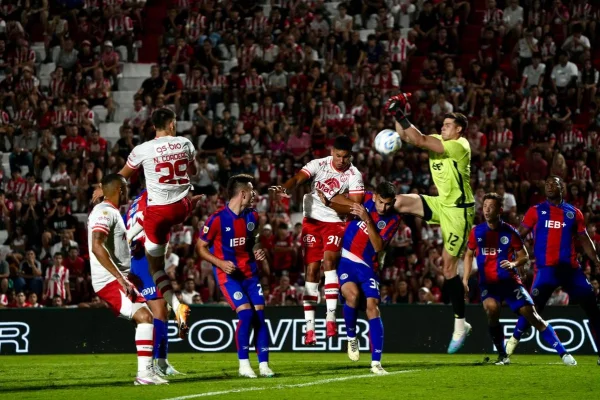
x=492 y=246
x=231 y=237
x=135 y=213
x=554 y=232
x=356 y=236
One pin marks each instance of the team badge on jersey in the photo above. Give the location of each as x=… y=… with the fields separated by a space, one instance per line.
x=344 y=276
x=504 y=240
x=570 y=215
x=205 y=230
x=381 y=224
x=250 y=226
x=535 y=292
x=238 y=295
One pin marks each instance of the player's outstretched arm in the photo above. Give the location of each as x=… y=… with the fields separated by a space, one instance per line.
x=99 y=250
x=339 y=203
x=414 y=136
x=290 y=184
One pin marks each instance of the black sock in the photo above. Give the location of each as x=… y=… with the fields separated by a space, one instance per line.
x=498 y=339
x=456 y=292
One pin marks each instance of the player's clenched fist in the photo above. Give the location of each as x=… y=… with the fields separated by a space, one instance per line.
x=260 y=255
x=227 y=267
x=397 y=102
x=360 y=211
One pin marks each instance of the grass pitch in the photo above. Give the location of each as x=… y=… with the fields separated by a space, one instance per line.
x=302 y=376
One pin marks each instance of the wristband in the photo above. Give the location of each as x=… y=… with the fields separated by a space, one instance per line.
x=402 y=120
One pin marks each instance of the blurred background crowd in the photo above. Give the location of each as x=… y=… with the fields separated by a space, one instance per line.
x=264 y=87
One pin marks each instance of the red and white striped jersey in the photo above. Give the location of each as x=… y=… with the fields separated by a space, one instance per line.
x=329 y=113
x=99 y=89
x=57 y=278
x=570 y=139
x=194 y=84
x=24 y=55
x=253 y=83
x=582 y=174
x=4 y=118
x=268 y=114
x=497 y=138
x=387 y=81
x=196 y=26
x=493 y=16
x=218 y=84
x=36 y=190
x=330 y=181
x=28 y=85
x=266 y=175
x=62 y=117
x=531 y=106
x=360 y=111
x=120 y=25
x=17 y=187
x=259 y=25
x=398 y=49
x=57 y=88
x=81 y=117
x=25 y=115
x=138 y=117
x=403 y=234
x=247 y=54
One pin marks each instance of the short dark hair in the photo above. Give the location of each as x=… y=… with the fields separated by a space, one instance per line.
x=386 y=190
x=162 y=117
x=111 y=181
x=342 y=143
x=236 y=182
x=494 y=196
x=460 y=120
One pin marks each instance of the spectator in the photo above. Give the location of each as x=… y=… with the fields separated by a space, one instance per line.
x=189 y=292
x=57 y=283
x=29 y=274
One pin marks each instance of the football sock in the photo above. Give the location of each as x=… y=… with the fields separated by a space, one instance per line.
x=144 y=344
x=332 y=291
x=376 y=335
x=261 y=336
x=456 y=290
x=311 y=296
x=160 y=338
x=520 y=328
x=242 y=333
x=552 y=340
x=498 y=339
x=350 y=317
x=163 y=283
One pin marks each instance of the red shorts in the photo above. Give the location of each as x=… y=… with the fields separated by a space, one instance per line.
x=158 y=220
x=117 y=299
x=319 y=237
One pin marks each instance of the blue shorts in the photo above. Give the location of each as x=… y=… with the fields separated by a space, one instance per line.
x=572 y=280
x=515 y=295
x=142 y=278
x=239 y=290
x=364 y=277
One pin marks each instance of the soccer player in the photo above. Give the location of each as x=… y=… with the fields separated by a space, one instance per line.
x=501 y=256
x=141 y=276
x=322 y=227
x=166 y=162
x=109 y=262
x=364 y=238
x=556 y=225
x=453 y=209
x=228 y=242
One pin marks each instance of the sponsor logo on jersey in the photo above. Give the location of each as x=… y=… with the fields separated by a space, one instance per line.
x=437 y=166
x=310 y=240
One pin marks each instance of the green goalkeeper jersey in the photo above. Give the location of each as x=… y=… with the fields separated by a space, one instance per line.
x=451 y=172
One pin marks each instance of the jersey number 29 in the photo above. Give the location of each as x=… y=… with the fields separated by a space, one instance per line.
x=176 y=172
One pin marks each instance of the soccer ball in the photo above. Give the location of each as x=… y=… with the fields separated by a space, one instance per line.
x=387 y=142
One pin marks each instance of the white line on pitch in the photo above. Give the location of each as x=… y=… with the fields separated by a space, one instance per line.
x=296 y=385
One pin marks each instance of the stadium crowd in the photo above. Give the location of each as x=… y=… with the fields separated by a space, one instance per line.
x=266 y=88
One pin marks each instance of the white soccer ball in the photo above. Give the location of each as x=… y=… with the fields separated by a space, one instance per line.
x=387 y=142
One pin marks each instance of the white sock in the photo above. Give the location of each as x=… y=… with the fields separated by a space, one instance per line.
x=163 y=283
x=459 y=325
x=311 y=297
x=375 y=363
x=263 y=364
x=245 y=363
x=332 y=291
x=144 y=335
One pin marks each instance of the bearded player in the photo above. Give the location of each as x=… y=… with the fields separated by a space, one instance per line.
x=323 y=228
x=166 y=162
x=453 y=209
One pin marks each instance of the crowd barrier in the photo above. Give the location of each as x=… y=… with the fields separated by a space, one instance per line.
x=408 y=329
